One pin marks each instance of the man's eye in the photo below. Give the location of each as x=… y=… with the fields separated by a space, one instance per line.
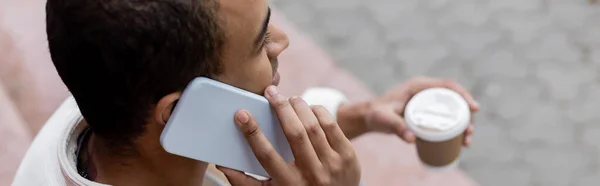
x=267 y=39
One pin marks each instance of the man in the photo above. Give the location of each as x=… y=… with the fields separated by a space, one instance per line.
x=126 y=63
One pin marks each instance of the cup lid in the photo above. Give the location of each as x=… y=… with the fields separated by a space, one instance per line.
x=437 y=114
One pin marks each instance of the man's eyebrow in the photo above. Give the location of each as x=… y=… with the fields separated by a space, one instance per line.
x=261 y=35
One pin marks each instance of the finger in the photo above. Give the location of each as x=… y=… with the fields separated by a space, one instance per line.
x=395 y=123
x=335 y=136
x=467 y=141
x=313 y=129
x=271 y=161
x=467 y=134
x=238 y=178
x=286 y=114
x=400 y=128
x=292 y=127
x=469 y=130
x=409 y=136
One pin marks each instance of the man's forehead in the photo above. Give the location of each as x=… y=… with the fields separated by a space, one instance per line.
x=243 y=19
x=245 y=9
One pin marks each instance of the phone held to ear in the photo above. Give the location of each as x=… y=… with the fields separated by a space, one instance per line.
x=202 y=126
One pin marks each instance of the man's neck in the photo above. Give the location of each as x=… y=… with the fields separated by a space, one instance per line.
x=151 y=165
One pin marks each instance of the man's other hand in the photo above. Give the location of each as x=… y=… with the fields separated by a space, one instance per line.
x=386 y=112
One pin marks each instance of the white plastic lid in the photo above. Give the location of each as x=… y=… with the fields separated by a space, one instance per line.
x=437 y=114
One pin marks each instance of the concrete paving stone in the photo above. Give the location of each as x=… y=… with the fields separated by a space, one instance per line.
x=595 y=55
x=387 y=12
x=503 y=176
x=555 y=46
x=557 y=165
x=591 y=136
x=343 y=23
x=590 y=34
x=524 y=27
x=564 y=81
x=585 y=109
x=451 y=70
x=510 y=99
x=546 y=124
x=587 y=181
x=486 y=155
x=570 y=1
x=418 y=59
x=413 y=27
x=435 y=4
x=366 y=42
x=298 y=10
x=485 y=117
x=501 y=63
x=585 y=112
x=470 y=14
x=336 y=4
x=515 y=5
x=570 y=14
x=467 y=43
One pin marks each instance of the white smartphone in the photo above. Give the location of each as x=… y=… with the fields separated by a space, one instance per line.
x=202 y=126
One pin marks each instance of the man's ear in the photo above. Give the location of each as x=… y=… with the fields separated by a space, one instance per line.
x=165 y=107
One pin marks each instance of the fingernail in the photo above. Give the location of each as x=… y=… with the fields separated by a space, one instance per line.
x=243 y=117
x=272 y=91
x=476 y=103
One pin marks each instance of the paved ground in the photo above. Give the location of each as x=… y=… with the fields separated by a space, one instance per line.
x=533 y=65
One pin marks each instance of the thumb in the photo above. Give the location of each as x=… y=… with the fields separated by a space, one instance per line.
x=238 y=178
x=401 y=129
x=387 y=119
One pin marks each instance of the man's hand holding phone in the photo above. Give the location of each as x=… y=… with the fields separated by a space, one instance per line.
x=323 y=155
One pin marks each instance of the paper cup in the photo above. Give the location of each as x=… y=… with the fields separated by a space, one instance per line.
x=438 y=117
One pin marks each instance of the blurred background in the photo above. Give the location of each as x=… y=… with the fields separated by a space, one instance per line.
x=532 y=64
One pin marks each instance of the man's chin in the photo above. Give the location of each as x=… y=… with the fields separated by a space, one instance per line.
x=276 y=79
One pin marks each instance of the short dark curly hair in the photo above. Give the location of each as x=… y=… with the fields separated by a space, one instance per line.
x=120 y=57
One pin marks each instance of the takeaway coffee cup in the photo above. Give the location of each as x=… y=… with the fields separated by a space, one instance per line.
x=438 y=117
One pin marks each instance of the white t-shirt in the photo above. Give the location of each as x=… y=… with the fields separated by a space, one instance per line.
x=51 y=158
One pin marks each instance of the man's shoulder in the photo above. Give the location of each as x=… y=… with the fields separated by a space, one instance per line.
x=41 y=164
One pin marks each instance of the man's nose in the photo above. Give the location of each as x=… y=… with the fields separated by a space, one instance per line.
x=279 y=42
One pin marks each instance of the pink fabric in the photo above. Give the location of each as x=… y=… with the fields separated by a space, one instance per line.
x=14 y=138
x=25 y=65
